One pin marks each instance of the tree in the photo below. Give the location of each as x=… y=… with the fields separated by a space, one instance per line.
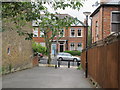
x=20 y=12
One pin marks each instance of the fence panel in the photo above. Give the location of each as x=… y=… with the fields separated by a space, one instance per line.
x=103 y=64
x=83 y=59
x=112 y=65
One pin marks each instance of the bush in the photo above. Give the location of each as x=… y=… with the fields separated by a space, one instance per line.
x=79 y=67
x=38 y=48
x=74 y=53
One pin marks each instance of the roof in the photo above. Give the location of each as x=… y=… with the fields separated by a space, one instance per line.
x=104 y=4
x=61 y=16
x=78 y=23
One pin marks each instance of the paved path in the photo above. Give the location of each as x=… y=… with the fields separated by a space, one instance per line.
x=46 y=77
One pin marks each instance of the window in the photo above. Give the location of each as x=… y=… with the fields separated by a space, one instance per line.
x=72 y=33
x=97 y=31
x=8 y=51
x=41 y=34
x=79 y=32
x=115 y=21
x=72 y=46
x=62 y=33
x=35 y=32
x=79 y=47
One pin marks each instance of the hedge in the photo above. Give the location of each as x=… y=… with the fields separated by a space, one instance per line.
x=74 y=53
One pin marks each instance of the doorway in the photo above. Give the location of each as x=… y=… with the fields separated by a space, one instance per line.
x=61 y=47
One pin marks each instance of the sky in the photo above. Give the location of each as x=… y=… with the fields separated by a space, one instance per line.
x=87 y=6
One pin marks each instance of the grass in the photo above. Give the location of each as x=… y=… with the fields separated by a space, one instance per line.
x=79 y=67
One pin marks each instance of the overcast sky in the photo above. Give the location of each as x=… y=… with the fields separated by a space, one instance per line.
x=87 y=6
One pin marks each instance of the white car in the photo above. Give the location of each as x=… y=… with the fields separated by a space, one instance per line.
x=67 y=56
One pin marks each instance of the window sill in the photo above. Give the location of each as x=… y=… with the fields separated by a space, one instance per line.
x=79 y=36
x=72 y=36
x=76 y=36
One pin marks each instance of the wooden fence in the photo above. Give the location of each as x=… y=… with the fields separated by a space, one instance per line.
x=104 y=62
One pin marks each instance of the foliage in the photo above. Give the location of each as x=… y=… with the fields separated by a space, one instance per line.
x=10 y=67
x=79 y=67
x=39 y=48
x=74 y=53
x=22 y=12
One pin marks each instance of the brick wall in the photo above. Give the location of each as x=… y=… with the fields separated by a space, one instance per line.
x=17 y=52
x=66 y=37
x=107 y=19
x=94 y=20
x=103 y=17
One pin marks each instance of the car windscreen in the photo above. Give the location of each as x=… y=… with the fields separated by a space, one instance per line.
x=60 y=53
x=67 y=55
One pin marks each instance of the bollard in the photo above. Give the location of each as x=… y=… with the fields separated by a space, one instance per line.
x=68 y=64
x=55 y=66
x=78 y=63
x=58 y=63
x=73 y=62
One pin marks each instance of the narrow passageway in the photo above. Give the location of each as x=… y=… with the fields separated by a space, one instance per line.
x=46 y=77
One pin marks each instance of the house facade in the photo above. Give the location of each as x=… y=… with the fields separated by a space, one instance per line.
x=72 y=39
x=105 y=19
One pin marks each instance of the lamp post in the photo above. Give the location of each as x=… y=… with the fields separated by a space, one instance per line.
x=86 y=63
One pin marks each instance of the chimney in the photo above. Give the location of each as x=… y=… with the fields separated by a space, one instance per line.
x=85 y=21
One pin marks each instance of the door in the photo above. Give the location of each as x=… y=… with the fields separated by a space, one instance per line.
x=61 y=47
x=53 y=50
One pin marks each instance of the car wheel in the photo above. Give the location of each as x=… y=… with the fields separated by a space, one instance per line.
x=60 y=59
x=75 y=59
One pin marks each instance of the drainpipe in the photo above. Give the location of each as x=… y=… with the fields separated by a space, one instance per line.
x=91 y=32
x=86 y=75
x=102 y=22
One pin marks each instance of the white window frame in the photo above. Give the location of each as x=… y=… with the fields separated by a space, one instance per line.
x=112 y=21
x=71 y=31
x=41 y=33
x=71 y=48
x=63 y=46
x=63 y=32
x=35 y=32
x=81 y=46
x=81 y=32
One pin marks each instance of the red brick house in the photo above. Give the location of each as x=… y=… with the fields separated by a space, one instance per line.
x=105 y=19
x=72 y=38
